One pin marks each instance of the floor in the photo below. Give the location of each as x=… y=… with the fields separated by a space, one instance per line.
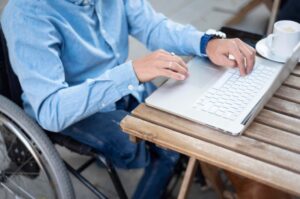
x=202 y=14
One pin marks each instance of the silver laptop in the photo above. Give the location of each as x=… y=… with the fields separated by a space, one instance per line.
x=220 y=97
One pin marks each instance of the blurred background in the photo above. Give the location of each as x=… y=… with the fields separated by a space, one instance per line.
x=207 y=14
x=203 y=15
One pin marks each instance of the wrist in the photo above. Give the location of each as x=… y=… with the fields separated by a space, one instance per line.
x=207 y=37
x=135 y=66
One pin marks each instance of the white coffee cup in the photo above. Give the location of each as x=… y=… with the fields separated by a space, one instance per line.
x=286 y=35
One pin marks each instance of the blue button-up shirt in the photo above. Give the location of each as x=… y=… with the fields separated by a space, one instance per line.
x=70 y=55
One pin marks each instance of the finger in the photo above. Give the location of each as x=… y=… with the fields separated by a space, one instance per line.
x=180 y=61
x=172 y=66
x=249 y=47
x=247 y=51
x=227 y=62
x=239 y=58
x=177 y=59
x=171 y=74
x=175 y=67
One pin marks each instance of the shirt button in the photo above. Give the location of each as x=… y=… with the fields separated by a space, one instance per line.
x=103 y=105
x=118 y=55
x=131 y=87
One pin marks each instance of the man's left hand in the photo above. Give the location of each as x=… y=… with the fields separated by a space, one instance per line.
x=218 y=51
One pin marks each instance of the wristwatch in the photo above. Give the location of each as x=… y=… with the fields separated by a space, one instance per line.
x=209 y=35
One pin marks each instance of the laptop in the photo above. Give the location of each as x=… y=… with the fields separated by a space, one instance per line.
x=219 y=97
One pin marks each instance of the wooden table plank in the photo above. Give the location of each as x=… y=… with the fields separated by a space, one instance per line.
x=293 y=81
x=274 y=137
x=279 y=121
x=284 y=107
x=232 y=161
x=288 y=93
x=245 y=145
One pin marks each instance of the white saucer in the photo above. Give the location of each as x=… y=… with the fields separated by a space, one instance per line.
x=263 y=49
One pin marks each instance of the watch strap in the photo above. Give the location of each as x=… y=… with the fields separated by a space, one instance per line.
x=203 y=43
x=209 y=35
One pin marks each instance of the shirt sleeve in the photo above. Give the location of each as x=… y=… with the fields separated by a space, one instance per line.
x=34 y=49
x=156 y=31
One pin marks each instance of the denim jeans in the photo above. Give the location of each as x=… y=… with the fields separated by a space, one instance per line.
x=102 y=132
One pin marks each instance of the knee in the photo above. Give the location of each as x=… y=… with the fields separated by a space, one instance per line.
x=134 y=156
x=168 y=156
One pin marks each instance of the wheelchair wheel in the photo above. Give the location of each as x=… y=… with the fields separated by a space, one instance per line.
x=30 y=167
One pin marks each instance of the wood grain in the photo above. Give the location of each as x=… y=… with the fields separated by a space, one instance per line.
x=284 y=107
x=187 y=179
x=274 y=137
x=232 y=161
x=268 y=152
x=287 y=93
x=293 y=81
x=244 y=145
x=279 y=121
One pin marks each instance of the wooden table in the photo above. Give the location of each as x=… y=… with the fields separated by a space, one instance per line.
x=268 y=152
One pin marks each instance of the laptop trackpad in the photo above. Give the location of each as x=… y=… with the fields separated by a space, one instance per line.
x=180 y=93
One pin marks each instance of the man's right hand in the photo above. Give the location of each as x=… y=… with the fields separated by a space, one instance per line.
x=160 y=63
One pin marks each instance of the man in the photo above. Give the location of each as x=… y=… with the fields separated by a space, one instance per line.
x=70 y=57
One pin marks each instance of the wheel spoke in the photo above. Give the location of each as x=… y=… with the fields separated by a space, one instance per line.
x=16 y=191
x=21 y=166
x=29 y=166
x=23 y=193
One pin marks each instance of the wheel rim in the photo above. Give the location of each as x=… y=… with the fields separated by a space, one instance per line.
x=24 y=172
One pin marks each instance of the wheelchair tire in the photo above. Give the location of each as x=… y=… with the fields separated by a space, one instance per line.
x=43 y=152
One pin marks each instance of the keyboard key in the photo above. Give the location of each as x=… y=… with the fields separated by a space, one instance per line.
x=232 y=93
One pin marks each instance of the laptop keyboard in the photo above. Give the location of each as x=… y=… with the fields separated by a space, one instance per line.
x=232 y=93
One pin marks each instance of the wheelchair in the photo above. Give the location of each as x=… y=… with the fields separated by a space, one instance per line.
x=30 y=166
